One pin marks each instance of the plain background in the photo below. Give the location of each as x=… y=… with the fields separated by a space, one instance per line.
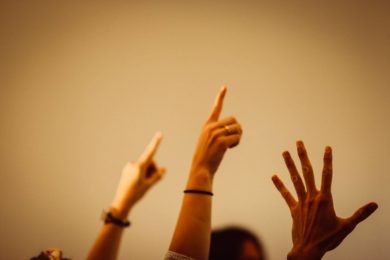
x=85 y=85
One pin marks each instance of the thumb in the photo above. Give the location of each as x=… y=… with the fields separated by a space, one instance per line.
x=157 y=176
x=363 y=213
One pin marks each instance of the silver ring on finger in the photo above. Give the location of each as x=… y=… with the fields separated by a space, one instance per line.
x=228 y=130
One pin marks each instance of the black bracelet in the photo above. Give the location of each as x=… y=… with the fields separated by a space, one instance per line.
x=109 y=218
x=199 y=192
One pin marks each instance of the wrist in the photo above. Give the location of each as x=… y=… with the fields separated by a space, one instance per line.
x=112 y=216
x=122 y=209
x=200 y=179
x=119 y=212
x=304 y=253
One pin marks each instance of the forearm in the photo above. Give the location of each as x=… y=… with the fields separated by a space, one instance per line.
x=192 y=233
x=107 y=244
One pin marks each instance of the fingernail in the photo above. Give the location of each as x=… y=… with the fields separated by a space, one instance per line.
x=373 y=206
x=285 y=154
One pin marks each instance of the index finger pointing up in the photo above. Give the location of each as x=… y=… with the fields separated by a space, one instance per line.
x=151 y=149
x=217 y=107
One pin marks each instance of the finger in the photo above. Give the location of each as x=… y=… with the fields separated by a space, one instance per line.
x=363 y=213
x=151 y=169
x=217 y=107
x=229 y=141
x=227 y=130
x=157 y=176
x=295 y=177
x=232 y=129
x=306 y=168
x=327 y=171
x=284 y=191
x=151 y=149
x=221 y=123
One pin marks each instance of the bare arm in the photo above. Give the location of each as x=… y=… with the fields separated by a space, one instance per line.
x=137 y=178
x=192 y=233
x=316 y=228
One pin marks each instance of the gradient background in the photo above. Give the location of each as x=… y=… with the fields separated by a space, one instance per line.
x=84 y=86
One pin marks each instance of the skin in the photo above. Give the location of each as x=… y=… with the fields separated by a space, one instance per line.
x=316 y=228
x=136 y=179
x=193 y=228
x=250 y=251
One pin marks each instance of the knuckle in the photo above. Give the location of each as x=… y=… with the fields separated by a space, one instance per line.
x=310 y=201
x=294 y=179
x=306 y=169
x=284 y=193
x=323 y=199
x=232 y=119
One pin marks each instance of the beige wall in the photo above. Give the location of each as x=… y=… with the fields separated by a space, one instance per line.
x=83 y=88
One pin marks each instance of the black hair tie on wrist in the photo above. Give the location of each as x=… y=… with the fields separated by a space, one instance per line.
x=199 y=192
x=109 y=218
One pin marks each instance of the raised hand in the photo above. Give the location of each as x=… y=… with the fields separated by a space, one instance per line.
x=137 y=177
x=193 y=228
x=316 y=228
x=216 y=137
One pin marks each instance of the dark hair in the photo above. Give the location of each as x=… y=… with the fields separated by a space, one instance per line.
x=226 y=243
x=41 y=256
x=45 y=256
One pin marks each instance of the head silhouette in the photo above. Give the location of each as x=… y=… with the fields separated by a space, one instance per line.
x=235 y=243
